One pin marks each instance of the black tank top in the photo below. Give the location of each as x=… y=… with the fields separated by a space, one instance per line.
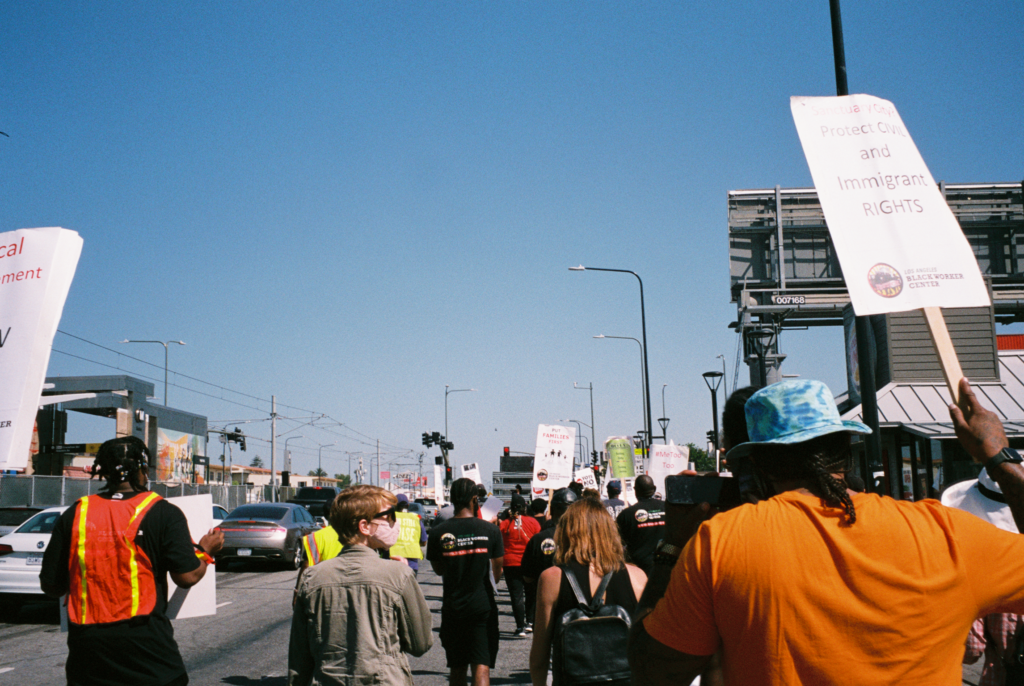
x=620 y=590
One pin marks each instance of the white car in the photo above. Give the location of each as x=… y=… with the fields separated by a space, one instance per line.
x=220 y=513
x=21 y=558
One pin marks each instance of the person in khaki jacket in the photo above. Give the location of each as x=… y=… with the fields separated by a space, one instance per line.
x=356 y=615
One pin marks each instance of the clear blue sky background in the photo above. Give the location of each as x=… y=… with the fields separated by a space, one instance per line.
x=350 y=205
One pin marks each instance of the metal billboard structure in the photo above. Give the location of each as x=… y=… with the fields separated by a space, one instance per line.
x=784 y=272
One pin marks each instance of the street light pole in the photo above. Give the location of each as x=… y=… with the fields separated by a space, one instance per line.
x=287 y=455
x=319 y=460
x=725 y=389
x=579 y=436
x=593 y=437
x=643 y=329
x=164 y=344
x=447 y=392
x=713 y=380
x=663 y=422
x=643 y=397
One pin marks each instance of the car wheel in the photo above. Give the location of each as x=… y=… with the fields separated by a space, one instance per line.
x=295 y=558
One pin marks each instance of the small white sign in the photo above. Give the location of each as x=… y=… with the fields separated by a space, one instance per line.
x=439 y=485
x=553 y=458
x=472 y=471
x=586 y=478
x=898 y=242
x=36 y=269
x=199 y=600
x=666 y=460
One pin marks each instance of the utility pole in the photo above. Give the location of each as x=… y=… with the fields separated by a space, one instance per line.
x=273 y=447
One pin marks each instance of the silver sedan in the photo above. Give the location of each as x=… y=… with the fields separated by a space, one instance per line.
x=267 y=531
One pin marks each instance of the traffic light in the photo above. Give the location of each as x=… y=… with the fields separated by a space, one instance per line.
x=449 y=446
x=711 y=436
x=439 y=459
x=426 y=439
x=505 y=451
x=447 y=475
x=240 y=437
x=436 y=437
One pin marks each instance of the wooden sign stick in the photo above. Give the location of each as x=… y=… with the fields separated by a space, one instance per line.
x=944 y=349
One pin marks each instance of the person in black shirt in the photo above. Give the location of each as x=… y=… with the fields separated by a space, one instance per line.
x=466 y=552
x=642 y=525
x=537 y=508
x=140 y=649
x=540 y=551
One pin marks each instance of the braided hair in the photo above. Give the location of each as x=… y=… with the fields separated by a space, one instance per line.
x=816 y=460
x=118 y=459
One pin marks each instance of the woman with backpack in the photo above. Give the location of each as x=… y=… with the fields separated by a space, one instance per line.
x=587 y=636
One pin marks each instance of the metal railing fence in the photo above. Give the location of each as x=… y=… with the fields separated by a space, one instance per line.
x=52 y=491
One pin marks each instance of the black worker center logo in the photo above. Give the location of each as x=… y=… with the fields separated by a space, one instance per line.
x=885 y=280
x=448 y=541
x=547 y=546
x=641 y=515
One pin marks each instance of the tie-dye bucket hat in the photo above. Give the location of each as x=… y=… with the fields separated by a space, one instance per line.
x=792 y=411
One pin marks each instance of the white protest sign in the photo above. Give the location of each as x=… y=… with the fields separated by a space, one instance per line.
x=472 y=471
x=586 y=478
x=553 y=458
x=898 y=243
x=36 y=269
x=439 y=484
x=199 y=600
x=665 y=461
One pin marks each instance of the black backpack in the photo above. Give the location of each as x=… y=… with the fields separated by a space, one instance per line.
x=591 y=640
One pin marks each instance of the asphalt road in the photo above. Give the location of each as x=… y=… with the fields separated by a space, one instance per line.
x=246 y=642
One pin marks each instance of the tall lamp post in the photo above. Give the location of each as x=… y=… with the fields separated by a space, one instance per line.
x=287 y=455
x=663 y=421
x=713 y=380
x=447 y=392
x=164 y=344
x=643 y=329
x=579 y=436
x=643 y=395
x=593 y=437
x=319 y=459
x=725 y=389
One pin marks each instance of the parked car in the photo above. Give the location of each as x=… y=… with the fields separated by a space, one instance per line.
x=21 y=558
x=316 y=499
x=13 y=517
x=267 y=531
x=220 y=513
x=430 y=505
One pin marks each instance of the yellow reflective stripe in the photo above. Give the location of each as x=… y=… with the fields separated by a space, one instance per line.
x=82 y=511
x=131 y=554
x=310 y=557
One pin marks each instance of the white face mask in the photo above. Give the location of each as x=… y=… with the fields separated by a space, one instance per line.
x=386 y=534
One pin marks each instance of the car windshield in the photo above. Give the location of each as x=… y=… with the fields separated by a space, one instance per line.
x=416 y=507
x=426 y=501
x=15 y=517
x=258 y=512
x=42 y=523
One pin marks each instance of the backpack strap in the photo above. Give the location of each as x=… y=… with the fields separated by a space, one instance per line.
x=598 y=599
x=575 y=585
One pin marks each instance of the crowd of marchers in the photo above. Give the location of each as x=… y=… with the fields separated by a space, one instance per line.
x=809 y=581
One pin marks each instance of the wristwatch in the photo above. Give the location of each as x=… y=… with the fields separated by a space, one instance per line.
x=1005 y=455
x=666 y=553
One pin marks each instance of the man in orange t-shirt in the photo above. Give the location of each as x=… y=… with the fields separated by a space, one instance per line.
x=821 y=585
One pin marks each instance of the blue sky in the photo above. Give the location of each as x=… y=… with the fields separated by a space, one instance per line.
x=350 y=205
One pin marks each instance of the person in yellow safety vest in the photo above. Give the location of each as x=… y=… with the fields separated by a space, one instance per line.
x=110 y=553
x=411 y=536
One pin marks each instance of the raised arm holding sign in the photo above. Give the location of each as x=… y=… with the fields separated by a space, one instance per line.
x=898 y=242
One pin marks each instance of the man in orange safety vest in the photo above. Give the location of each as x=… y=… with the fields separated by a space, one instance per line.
x=110 y=553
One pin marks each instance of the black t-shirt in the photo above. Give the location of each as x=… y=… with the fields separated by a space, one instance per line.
x=139 y=651
x=466 y=545
x=641 y=527
x=540 y=553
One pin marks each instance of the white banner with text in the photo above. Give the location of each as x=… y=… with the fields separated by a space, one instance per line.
x=553 y=458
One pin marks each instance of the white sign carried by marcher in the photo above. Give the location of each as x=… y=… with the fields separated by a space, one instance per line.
x=199 y=600
x=665 y=461
x=472 y=471
x=439 y=485
x=898 y=243
x=553 y=458
x=36 y=269
x=586 y=478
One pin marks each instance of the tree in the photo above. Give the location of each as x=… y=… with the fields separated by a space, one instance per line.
x=256 y=462
x=319 y=471
x=702 y=462
x=344 y=480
